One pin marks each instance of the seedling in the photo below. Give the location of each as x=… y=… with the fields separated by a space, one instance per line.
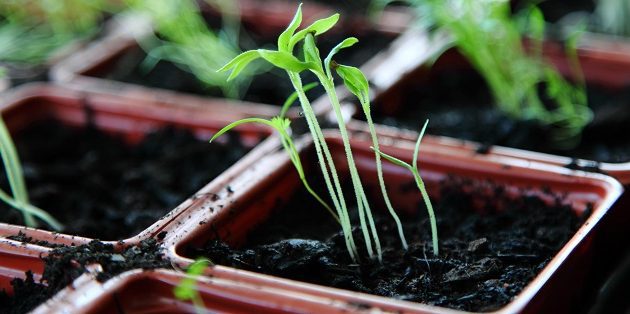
x=30 y=32
x=281 y=125
x=19 y=196
x=420 y=183
x=187 y=290
x=186 y=40
x=356 y=82
x=487 y=35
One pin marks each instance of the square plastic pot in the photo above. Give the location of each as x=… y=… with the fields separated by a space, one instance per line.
x=89 y=67
x=404 y=65
x=272 y=180
x=132 y=118
x=16 y=258
x=141 y=291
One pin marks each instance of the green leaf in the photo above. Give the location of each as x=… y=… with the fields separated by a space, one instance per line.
x=355 y=81
x=536 y=23
x=239 y=63
x=393 y=160
x=285 y=38
x=416 y=150
x=348 y=42
x=311 y=53
x=239 y=122
x=284 y=60
x=317 y=28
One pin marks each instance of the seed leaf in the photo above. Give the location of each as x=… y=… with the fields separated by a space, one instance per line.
x=348 y=42
x=356 y=82
x=285 y=38
x=239 y=63
x=317 y=28
x=284 y=60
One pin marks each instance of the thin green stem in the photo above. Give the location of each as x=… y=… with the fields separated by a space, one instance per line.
x=324 y=157
x=356 y=181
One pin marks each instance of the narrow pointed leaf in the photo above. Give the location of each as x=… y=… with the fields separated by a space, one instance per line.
x=285 y=37
x=239 y=63
x=284 y=60
x=311 y=53
x=416 y=150
x=394 y=160
x=348 y=42
x=239 y=122
x=317 y=28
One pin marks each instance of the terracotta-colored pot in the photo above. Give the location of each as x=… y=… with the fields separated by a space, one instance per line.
x=16 y=258
x=403 y=65
x=133 y=118
x=141 y=291
x=87 y=68
x=18 y=74
x=271 y=181
x=279 y=13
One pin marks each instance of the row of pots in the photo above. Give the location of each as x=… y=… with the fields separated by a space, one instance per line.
x=265 y=176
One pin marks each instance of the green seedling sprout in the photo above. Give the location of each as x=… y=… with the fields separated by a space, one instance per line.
x=30 y=32
x=189 y=43
x=355 y=81
x=19 y=198
x=487 y=35
x=187 y=290
x=420 y=183
x=281 y=125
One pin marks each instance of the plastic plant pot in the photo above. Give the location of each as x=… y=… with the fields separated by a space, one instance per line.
x=272 y=180
x=21 y=73
x=278 y=14
x=98 y=66
x=403 y=66
x=132 y=119
x=140 y=291
x=16 y=258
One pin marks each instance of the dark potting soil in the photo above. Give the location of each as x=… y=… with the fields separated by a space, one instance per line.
x=272 y=87
x=100 y=187
x=486 y=258
x=458 y=104
x=65 y=264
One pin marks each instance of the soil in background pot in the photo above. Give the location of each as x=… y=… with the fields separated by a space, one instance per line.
x=486 y=258
x=459 y=104
x=65 y=264
x=100 y=187
x=272 y=87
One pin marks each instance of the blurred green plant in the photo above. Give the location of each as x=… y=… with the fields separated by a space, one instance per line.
x=31 y=30
x=613 y=16
x=187 y=290
x=485 y=32
x=184 y=38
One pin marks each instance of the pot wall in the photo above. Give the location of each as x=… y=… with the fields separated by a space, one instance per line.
x=132 y=118
x=254 y=200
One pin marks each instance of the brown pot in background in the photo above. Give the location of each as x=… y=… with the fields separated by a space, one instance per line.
x=272 y=180
x=133 y=119
x=89 y=68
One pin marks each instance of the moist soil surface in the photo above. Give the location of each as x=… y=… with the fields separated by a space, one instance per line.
x=65 y=264
x=100 y=187
x=458 y=104
x=272 y=87
x=486 y=257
